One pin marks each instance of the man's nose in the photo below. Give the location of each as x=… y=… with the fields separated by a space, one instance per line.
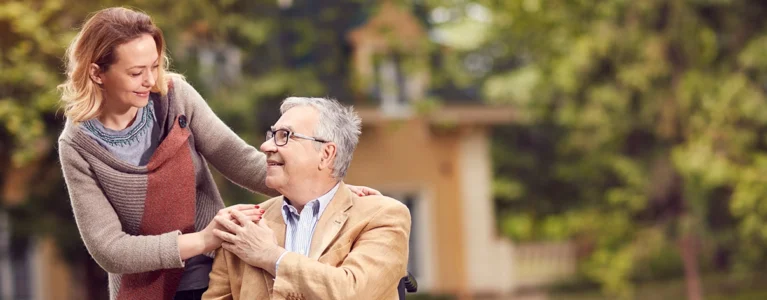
x=269 y=146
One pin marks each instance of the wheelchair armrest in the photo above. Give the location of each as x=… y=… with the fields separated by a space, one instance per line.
x=410 y=283
x=407 y=285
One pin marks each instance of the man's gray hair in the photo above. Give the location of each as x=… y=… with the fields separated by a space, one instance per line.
x=337 y=123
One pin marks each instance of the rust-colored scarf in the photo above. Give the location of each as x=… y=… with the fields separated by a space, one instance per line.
x=169 y=206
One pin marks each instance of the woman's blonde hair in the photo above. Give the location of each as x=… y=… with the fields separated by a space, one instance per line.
x=96 y=43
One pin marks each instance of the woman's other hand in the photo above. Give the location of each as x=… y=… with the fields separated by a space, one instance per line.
x=363 y=191
x=210 y=241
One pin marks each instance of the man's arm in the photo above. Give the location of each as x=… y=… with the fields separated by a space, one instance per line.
x=377 y=261
x=218 y=287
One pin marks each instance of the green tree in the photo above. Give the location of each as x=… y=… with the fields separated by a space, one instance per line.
x=638 y=120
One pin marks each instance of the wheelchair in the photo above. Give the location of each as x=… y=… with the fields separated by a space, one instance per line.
x=407 y=284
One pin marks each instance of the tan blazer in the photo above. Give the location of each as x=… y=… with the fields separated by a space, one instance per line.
x=359 y=251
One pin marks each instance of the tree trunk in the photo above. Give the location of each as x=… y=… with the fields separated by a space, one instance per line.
x=689 y=249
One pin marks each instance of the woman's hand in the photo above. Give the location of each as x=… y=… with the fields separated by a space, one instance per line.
x=210 y=241
x=363 y=191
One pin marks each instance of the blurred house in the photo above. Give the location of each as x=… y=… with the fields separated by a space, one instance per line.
x=436 y=158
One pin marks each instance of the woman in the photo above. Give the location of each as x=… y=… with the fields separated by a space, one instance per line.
x=134 y=154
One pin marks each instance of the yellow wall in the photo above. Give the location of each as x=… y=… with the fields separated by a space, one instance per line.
x=409 y=156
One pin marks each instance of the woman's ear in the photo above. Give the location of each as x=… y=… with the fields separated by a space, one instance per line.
x=94 y=71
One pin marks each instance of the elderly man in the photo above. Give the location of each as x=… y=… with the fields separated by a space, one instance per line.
x=318 y=240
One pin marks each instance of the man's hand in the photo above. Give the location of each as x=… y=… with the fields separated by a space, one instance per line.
x=209 y=241
x=255 y=244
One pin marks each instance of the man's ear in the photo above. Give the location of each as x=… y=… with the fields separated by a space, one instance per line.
x=327 y=155
x=94 y=71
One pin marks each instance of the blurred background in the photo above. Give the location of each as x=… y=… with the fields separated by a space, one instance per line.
x=547 y=149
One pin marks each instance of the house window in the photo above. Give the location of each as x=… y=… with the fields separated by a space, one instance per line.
x=413 y=250
x=420 y=260
x=390 y=84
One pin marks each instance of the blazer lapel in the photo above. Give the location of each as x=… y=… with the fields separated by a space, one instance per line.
x=275 y=221
x=332 y=220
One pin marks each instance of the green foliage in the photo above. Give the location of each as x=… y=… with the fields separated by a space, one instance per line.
x=30 y=53
x=636 y=117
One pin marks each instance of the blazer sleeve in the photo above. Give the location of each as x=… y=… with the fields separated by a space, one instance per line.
x=219 y=287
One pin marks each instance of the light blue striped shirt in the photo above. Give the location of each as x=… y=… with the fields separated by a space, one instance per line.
x=300 y=227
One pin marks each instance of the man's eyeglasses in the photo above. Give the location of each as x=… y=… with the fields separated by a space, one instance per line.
x=281 y=136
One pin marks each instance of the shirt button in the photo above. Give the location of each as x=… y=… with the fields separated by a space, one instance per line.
x=182 y=121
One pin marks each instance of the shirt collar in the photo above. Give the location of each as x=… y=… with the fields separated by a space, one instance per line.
x=323 y=201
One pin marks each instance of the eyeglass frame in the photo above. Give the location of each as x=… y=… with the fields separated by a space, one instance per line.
x=291 y=134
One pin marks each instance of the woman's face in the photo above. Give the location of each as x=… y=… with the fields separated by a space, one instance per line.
x=127 y=81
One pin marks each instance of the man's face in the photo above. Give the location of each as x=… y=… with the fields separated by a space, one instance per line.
x=298 y=160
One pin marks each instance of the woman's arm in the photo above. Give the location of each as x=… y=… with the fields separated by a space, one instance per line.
x=113 y=249
x=240 y=162
x=100 y=228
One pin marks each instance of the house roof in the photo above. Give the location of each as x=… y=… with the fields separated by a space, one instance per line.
x=391 y=27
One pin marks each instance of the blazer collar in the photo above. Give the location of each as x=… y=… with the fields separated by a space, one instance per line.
x=328 y=226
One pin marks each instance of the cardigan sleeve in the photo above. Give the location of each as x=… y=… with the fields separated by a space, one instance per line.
x=100 y=228
x=240 y=162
